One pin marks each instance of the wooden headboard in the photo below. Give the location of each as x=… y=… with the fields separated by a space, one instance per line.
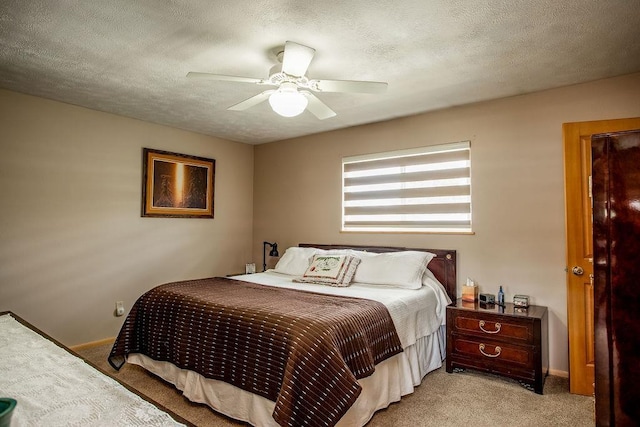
x=443 y=266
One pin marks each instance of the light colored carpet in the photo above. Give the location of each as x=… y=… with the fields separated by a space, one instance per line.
x=458 y=399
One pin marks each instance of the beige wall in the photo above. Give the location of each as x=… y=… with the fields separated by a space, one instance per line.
x=72 y=239
x=517 y=186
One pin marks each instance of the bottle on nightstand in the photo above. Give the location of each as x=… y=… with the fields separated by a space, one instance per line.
x=501 y=297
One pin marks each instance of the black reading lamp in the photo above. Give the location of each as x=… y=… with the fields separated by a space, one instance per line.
x=273 y=252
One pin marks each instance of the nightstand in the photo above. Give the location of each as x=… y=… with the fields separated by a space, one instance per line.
x=507 y=341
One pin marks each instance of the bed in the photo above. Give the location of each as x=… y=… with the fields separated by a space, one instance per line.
x=328 y=355
x=54 y=386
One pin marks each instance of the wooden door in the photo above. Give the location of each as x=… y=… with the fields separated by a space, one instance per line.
x=616 y=230
x=578 y=215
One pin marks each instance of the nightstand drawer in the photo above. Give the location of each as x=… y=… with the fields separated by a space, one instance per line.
x=484 y=351
x=492 y=327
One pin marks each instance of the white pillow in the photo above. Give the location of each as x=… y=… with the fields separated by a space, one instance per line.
x=295 y=261
x=400 y=269
x=334 y=251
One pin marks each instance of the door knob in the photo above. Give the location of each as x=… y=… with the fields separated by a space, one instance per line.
x=577 y=270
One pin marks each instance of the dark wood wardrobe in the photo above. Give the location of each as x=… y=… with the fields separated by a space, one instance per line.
x=616 y=238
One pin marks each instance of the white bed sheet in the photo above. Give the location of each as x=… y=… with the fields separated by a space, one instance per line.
x=416 y=313
x=419 y=318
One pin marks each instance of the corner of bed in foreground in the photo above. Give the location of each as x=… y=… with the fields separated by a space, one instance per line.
x=55 y=386
x=270 y=351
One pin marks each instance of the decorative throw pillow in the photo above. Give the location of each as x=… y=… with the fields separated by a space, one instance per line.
x=295 y=261
x=400 y=269
x=334 y=270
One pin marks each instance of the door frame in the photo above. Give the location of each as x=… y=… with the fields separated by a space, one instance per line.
x=581 y=370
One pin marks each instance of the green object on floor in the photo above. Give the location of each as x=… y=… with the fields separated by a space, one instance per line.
x=7 y=405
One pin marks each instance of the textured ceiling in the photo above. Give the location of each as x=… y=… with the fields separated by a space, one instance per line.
x=131 y=57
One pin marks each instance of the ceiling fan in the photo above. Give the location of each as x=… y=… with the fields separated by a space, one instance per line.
x=292 y=94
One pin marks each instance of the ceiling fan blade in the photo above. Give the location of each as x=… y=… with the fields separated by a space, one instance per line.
x=348 y=86
x=209 y=76
x=317 y=107
x=254 y=100
x=296 y=59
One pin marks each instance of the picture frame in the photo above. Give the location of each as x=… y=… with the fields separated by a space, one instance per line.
x=177 y=185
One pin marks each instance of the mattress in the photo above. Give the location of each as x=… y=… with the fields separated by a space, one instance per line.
x=303 y=350
x=418 y=316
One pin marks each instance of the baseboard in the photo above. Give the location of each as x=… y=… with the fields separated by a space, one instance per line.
x=88 y=345
x=558 y=373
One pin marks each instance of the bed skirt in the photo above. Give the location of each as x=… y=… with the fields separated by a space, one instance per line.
x=392 y=379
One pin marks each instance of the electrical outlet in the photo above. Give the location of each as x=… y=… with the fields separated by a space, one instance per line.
x=119 y=308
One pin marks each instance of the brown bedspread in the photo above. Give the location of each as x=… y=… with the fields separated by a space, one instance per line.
x=302 y=350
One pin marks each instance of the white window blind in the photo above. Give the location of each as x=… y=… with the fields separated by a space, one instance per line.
x=417 y=190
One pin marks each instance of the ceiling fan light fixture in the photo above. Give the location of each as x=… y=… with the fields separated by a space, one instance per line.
x=287 y=101
x=291 y=95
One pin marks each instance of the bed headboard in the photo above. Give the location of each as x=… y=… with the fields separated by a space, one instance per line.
x=443 y=266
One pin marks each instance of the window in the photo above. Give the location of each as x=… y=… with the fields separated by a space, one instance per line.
x=417 y=190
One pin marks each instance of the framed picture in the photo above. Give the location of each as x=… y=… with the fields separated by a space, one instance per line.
x=177 y=185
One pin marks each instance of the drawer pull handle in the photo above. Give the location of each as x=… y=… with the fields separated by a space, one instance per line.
x=498 y=326
x=498 y=351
